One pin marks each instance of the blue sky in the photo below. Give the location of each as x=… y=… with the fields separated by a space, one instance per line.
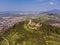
x=29 y=5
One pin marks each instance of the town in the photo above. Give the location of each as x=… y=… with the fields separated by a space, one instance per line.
x=7 y=22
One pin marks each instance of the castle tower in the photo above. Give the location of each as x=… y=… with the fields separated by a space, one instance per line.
x=30 y=21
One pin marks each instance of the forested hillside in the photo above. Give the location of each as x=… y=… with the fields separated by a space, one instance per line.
x=31 y=33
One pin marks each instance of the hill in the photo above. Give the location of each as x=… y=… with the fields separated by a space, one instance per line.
x=55 y=11
x=31 y=33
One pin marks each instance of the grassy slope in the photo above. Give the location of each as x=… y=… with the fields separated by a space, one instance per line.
x=18 y=35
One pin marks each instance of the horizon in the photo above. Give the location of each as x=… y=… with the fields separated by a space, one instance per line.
x=29 y=5
x=32 y=11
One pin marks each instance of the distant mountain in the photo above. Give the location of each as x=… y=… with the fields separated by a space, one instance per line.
x=54 y=11
x=17 y=13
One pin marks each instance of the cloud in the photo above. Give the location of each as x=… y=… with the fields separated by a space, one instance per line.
x=51 y=3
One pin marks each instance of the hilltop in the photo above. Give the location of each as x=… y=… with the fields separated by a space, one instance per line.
x=31 y=32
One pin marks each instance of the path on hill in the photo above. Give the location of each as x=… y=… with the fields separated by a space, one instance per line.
x=43 y=39
x=6 y=40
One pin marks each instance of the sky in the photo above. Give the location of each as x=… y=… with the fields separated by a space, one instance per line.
x=29 y=5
